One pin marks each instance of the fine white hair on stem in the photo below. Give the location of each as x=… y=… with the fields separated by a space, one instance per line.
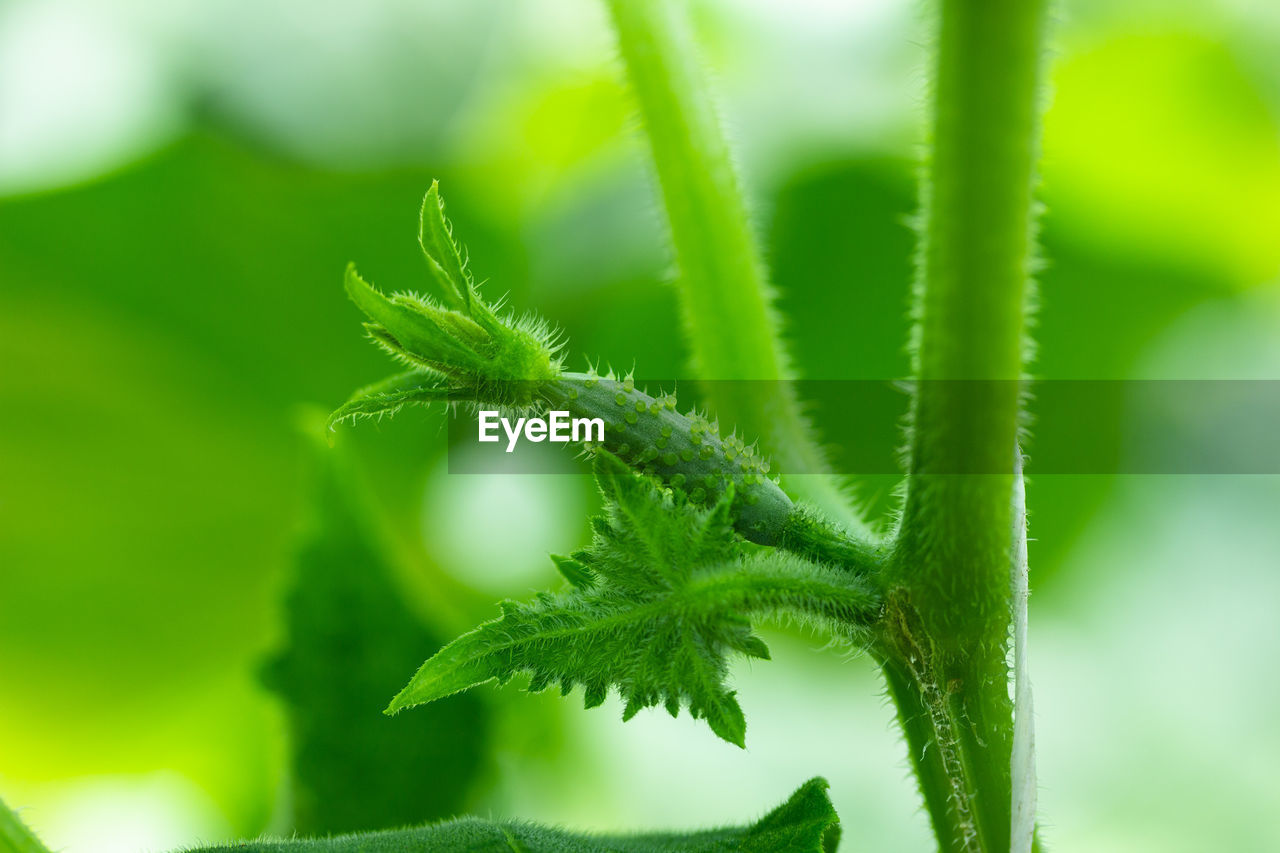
x=1023 y=761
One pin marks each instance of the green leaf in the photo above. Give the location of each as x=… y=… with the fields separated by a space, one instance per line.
x=574 y=570
x=349 y=639
x=672 y=590
x=805 y=823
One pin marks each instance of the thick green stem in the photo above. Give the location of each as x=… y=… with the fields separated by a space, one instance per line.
x=724 y=291
x=918 y=725
x=950 y=574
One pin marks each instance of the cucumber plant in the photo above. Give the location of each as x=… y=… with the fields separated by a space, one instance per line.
x=699 y=540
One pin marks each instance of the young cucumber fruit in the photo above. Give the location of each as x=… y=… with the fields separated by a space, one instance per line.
x=685 y=452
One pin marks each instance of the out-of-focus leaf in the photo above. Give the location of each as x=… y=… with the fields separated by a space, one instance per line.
x=1162 y=142
x=806 y=823
x=350 y=640
x=158 y=328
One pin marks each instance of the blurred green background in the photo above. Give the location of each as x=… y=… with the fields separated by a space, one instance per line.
x=181 y=186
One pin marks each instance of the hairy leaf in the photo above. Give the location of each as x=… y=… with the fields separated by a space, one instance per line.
x=806 y=823
x=659 y=601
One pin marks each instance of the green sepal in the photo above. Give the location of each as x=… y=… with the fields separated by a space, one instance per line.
x=417 y=331
x=444 y=257
x=500 y=361
x=390 y=395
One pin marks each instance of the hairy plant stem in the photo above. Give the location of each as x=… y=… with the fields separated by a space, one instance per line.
x=724 y=291
x=15 y=837
x=946 y=632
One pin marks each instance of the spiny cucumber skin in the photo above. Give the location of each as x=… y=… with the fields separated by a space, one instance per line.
x=685 y=452
x=809 y=535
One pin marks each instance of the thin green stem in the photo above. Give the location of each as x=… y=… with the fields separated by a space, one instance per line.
x=14 y=835
x=950 y=576
x=724 y=291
